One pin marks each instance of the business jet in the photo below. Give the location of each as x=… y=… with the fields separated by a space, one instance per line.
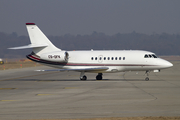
x=94 y=61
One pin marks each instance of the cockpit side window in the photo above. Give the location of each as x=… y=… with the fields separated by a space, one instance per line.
x=145 y=56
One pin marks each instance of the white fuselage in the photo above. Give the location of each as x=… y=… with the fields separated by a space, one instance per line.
x=115 y=60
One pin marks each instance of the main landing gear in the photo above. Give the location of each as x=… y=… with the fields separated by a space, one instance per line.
x=147 y=73
x=99 y=76
x=83 y=77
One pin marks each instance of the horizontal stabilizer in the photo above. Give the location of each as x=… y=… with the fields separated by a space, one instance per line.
x=30 y=46
x=80 y=69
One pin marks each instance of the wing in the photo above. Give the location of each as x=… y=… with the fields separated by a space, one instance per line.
x=80 y=69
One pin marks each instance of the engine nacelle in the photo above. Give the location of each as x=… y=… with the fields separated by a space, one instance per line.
x=61 y=56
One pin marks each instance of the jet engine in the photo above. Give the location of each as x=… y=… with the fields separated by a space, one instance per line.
x=61 y=56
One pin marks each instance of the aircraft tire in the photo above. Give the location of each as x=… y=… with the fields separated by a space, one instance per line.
x=99 y=77
x=146 y=79
x=83 y=78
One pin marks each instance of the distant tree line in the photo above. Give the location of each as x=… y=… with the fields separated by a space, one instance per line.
x=161 y=44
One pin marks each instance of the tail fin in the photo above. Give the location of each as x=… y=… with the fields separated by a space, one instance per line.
x=38 y=38
x=39 y=42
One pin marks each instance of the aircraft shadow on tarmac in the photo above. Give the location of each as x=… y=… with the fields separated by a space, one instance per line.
x=55 y=80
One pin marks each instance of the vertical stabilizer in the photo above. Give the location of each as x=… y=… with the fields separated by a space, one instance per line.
x=37 y=37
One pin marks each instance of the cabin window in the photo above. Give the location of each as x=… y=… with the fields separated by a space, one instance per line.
x=95 y=58
x=92 y=58
x=104 y=58
x=108 y=58
x=119 y=58
x=123 y=58
x=112 y=58
x=100 y=58
x=116 y=58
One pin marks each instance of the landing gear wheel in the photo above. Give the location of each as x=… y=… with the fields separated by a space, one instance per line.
x=146 y=79
x=99 y=76
x=83 y=78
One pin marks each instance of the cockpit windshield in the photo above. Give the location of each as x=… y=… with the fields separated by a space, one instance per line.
x=150 y=56
x=154 y=55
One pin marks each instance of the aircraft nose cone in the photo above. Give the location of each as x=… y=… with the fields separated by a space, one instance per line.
x=164 y=63
x=167 y=64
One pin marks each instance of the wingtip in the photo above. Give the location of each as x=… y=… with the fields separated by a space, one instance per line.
x=30 y=24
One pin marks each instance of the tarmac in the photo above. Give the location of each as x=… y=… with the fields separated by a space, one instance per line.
x=28 y=94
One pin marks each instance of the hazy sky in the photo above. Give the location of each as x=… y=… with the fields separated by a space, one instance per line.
x=59 y=17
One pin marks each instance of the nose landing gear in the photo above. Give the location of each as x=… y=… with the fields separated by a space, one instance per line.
x=146 y=79
x=147 y=73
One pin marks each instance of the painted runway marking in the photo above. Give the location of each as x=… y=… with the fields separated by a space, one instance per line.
x=7 y=100
x=71 y=88
x=8 y=88
x=43 y=94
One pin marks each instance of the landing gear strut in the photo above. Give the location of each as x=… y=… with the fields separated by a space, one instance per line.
x=147 y=73
x=82 y=76
x=99 y=76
